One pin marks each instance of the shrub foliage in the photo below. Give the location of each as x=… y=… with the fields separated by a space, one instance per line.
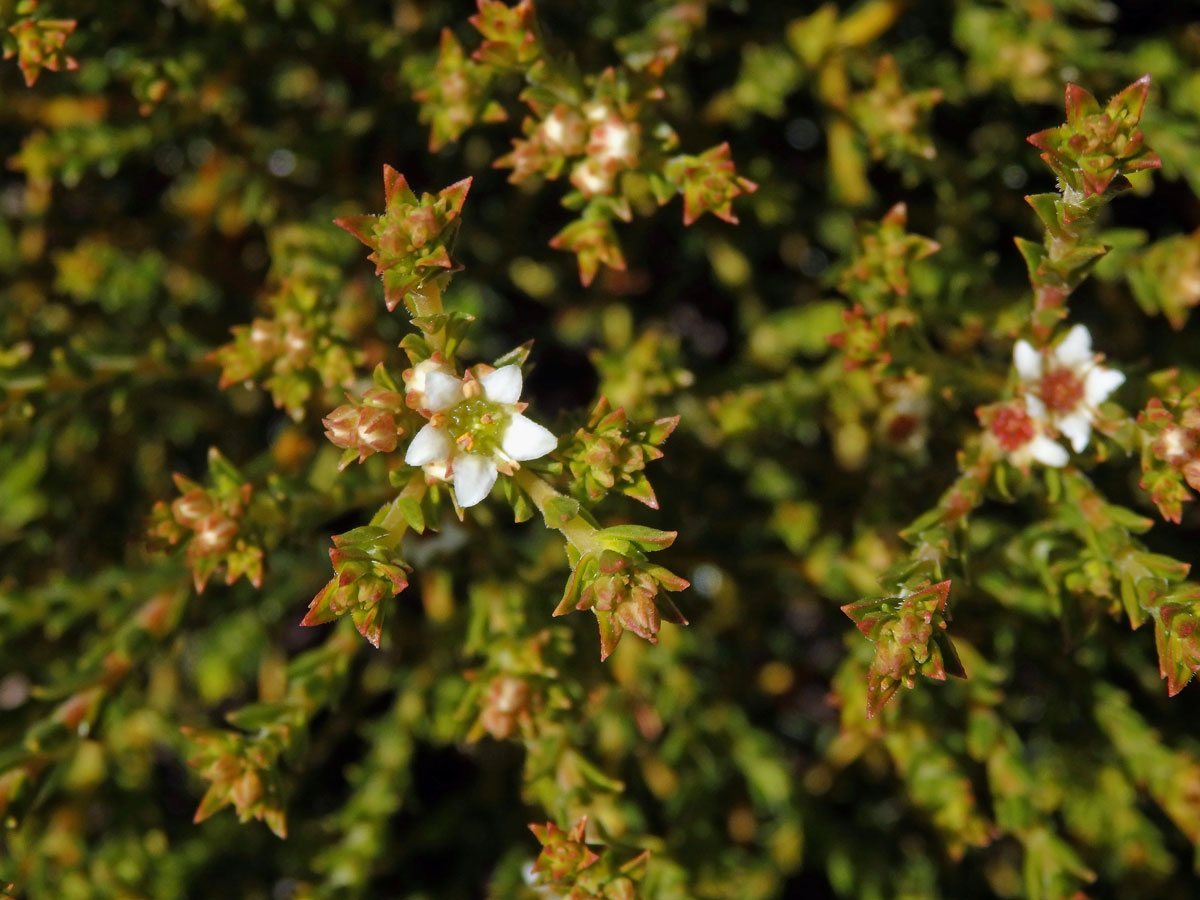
x=514 y=528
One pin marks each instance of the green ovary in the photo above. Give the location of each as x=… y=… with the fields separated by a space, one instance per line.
x=483 y=419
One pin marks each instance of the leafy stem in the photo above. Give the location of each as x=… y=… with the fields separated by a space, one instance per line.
x=555 y=509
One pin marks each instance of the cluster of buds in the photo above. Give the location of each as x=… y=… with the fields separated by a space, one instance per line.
x=455 y=90
x=569 y=868
x=594 y=243
x=368 y=570
x=517 y=689
x=1166 y=278
x=879 y=271
x=652 y=366
x=509 y=39
x=1177 y=636
x=564 y=854
x=1100 y=554
x=863 y=338
x=613 y=145
x=608 y=453
x=1087 y=153
x=506 y=707
x=244 y=767
x=305 y=343
x=909 y=634
x=296 y=348
x=38 y=43
x=597 y=138
x=595 y=128
x=241 y=772
x=1097 y=144
x=1170 y=436
x=552 y=136
x=667 y=32
x=368 y=424
x=600 y=136
x=213 y=522
x=709 y=183
x=454 y=93
x=894 y=121
x=410 y=241
x=622 y=589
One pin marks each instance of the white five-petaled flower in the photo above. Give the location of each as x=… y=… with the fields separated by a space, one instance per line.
x=1065 y=384
x=1022 y=437
x=476 y=429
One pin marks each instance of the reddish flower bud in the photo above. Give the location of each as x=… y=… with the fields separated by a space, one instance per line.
x=1191 y=473
x=192 y=507
x=342 y=425
x=640 y=615
x=506 y=703
x=214 y=534
x=1175 y=446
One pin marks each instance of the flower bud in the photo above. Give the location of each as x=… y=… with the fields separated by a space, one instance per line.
x=639 y=615
x=366 y=426
x=377 y=431
x=342 y=425
x=192 y=507
x=507 y=699
x=592 y=178
x=1175 y=445
x=1191 y=473
x=247 y=790
x=215 y=534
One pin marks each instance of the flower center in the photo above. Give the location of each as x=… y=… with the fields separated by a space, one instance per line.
x=1012 y=427
x=1061 y=390
x=477 y=425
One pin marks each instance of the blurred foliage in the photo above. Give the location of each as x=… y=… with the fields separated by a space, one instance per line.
x=846 y=389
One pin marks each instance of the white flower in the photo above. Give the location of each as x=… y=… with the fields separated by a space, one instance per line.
x=1064 y=385
x=614 y=140
x=1022 y=438
x=476 y=428
x=554 y=129
x=592 y=177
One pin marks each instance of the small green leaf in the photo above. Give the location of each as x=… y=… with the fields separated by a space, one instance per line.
x=641 y=537
x=412 y=512
x=559 y=510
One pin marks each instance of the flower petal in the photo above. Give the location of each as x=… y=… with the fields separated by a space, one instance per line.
x=1077 y=428
x=428 y=445
x=474 y=475
x=1027 y=360
x=1035 y=407
x=442 y=391
x=526 y=439
x=1101 y=382
x=1048 y=452
x=502 y=385
x=439 y=470
x=1075 y=349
